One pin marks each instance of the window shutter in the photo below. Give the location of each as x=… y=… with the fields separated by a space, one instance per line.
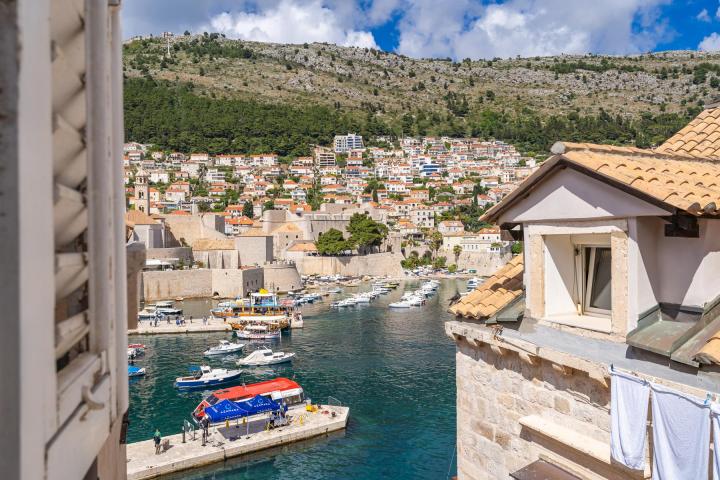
x=84 y=228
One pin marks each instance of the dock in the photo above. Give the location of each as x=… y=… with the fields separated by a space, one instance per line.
x=213 y=325
x=227 y=442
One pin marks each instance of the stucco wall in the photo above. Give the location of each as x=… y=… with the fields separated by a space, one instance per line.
x=372 y=264
x=495 y=391
x=680 y=270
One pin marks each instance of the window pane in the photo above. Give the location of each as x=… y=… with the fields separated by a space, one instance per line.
x=600 y=293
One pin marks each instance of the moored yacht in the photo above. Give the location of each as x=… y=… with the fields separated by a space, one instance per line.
x=204 y=376
x=223 y=348
x=265 y=356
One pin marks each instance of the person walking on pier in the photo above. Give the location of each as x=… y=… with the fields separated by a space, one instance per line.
x=157 y=438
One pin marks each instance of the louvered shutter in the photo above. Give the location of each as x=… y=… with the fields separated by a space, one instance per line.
x=88 y=329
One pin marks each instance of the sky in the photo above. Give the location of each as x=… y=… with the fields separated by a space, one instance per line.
x=445 y=28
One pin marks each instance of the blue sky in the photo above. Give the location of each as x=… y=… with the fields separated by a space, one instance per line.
x=446 y=28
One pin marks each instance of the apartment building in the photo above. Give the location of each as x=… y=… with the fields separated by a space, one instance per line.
x=345 y=143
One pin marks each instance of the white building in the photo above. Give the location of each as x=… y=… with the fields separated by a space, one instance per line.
x=345 y=143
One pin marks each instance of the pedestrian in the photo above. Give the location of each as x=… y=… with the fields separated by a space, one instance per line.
x=206 y=426
x=190 y=318
x=157 y=438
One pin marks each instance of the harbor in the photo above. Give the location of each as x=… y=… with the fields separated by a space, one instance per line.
x=181 y=452
x=392 y=370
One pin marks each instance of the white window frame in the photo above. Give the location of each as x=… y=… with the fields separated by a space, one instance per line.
x=588 y=278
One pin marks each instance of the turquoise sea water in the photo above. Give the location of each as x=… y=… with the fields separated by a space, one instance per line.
x=395 y=369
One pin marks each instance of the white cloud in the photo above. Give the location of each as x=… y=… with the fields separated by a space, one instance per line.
x=292 y=21
x=711 y=43
x=464 y=28
x=704 y=16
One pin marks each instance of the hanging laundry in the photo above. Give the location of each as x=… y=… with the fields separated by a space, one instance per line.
x=681 y=435
x=628 y=412
x=715 y=416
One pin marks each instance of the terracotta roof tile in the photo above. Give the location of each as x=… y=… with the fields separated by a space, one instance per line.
x=494 y=294
x=710 y=352
x=694 y=139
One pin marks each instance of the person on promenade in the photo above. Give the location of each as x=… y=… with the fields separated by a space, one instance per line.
x=157 y=438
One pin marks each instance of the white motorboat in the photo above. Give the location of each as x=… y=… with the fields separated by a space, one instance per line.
x=416 y=301
x=334 y=290
x=205 y=376
x=473 y=283
x=224 y=348
x=296 y=321
x=400 y=304
x=265 y=356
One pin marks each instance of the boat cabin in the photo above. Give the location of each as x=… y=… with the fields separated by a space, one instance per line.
x=278 y=389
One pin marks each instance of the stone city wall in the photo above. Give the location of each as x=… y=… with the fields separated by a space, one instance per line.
x=354 y=265
x=200 y=283
x=182 y=253
x=281 y=277
x=496 y=388
x=485 y=263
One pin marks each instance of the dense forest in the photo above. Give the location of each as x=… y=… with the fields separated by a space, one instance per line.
x=173 y=116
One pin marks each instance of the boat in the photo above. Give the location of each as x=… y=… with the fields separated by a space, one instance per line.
x=473 y=283
x=164 y=304
x=169 y=310
x=334 y=290
x=135 y=350
x=134 y=371
x=204 y=376
x=278 y=389
x=223 y=348
x=149 y=314
x=296 y=321
x=265 y=356
x=400 y=304
x=257 y=332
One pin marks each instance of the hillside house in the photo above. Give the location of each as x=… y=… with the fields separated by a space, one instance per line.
x=620 y=266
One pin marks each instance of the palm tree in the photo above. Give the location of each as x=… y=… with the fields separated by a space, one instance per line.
x=457 y=250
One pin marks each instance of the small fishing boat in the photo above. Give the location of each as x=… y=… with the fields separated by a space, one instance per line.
x=265 y=356
x=258 y=332
x=134 y=352
x=334 y=290
x=400 y=304
x=134 y=371
x=473 y=283
x=296 y=321
x=204 y=376
x=223 y=348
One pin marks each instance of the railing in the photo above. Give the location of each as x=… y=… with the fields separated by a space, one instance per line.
x=334 y=402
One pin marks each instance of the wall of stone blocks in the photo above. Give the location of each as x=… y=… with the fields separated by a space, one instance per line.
x=281 y=277
x=494 y=391
x=356 y=265
x=201 y=283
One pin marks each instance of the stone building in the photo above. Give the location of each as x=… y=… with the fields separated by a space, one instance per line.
x=620 y=266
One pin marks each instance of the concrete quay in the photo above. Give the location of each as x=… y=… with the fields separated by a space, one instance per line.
x=213 y=325
x=230 y=442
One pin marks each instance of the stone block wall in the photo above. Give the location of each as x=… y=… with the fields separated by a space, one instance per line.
x=497 y=387
x=281 y=277
x=201 y=283
x=356 y=265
